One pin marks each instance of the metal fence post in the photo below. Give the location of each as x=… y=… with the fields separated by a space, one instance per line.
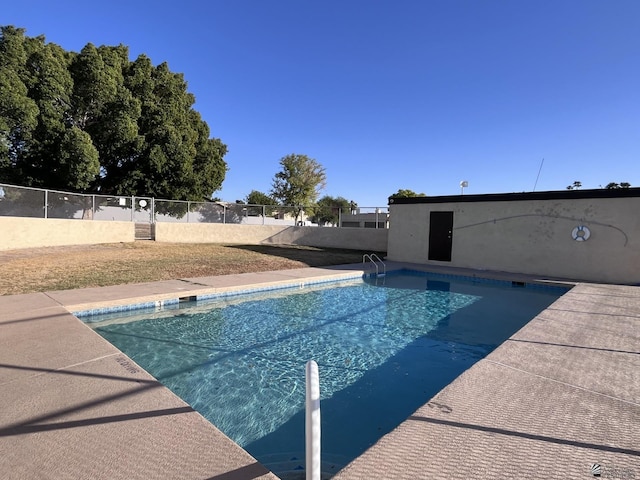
x=278 y=214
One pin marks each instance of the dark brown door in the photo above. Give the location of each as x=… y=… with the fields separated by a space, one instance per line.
x=440 y=236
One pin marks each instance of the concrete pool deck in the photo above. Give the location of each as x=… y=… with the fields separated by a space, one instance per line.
x=559 y=396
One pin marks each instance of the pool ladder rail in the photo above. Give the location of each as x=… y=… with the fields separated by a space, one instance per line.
x=373 y=258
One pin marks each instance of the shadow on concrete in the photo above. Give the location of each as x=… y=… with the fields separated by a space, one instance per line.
x=529 y=436
x=35 y=318
x=80 y=374
x=47 y=427
x=35 y=424
x=573 y=346
x=247 y=472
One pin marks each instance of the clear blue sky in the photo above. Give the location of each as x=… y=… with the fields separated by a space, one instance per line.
x=391 y=94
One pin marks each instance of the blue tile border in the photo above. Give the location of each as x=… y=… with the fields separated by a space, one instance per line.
x=490 y=281
x=266 y=288
x=157 y=304
x=160 y=304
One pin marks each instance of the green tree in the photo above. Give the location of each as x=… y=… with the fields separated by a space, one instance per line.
x=614 y=185
x=95 y=120
x=328 y=209
x=575 y=186
x=43 y=69
x=18 y=112
x=256 y=197
x=77 y=161
x=299 y=182
x=167 y=153
x=404 y=193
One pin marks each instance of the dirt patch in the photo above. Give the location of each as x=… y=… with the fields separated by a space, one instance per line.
x=62 y=268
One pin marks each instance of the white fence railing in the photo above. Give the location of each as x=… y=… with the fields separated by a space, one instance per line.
x=17 y=201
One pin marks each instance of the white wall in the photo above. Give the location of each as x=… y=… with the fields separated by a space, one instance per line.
x=371 y=239
x=529 y=236
x=20 y=232
x=23 y=232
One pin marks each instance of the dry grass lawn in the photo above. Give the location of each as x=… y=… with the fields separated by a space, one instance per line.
x=62 y=268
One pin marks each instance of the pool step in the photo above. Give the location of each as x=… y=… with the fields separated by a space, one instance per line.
x=145 y=231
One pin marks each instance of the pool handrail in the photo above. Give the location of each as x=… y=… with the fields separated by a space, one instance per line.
x=373 y=258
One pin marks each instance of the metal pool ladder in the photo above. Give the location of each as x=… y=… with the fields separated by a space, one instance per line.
x=373 y=258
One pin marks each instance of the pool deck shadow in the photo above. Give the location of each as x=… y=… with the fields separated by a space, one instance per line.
x=558 y=399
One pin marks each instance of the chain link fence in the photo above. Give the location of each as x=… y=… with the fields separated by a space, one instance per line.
x=16 y=201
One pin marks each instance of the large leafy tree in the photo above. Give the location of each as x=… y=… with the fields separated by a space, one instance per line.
x=299 y=182
x=328 y=209
x=95 y=120
x=45 y=150
x=256 y=197
x=405 y=193
x=18 y=112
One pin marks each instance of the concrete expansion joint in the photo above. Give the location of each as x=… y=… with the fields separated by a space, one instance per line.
x=60 y=369
x=52 y=299
x=635 y=404
x=91 y=360
x=191 y=282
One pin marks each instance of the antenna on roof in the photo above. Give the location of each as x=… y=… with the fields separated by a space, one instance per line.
x=539 y=170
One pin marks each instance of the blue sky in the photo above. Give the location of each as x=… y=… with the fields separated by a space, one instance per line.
x=391 y=94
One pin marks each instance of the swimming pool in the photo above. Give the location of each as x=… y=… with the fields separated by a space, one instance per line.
x=384 y=347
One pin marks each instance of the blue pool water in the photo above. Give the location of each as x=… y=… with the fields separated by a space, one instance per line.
x=384 y=347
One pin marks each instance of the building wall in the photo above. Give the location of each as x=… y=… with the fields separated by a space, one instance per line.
x=529 y=236
x=19 y=232
x=365 y=220
x=374 y=240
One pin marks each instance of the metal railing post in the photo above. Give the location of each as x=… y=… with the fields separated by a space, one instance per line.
x=46 y=203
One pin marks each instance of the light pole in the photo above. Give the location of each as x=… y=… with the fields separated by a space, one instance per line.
x=463 y=185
